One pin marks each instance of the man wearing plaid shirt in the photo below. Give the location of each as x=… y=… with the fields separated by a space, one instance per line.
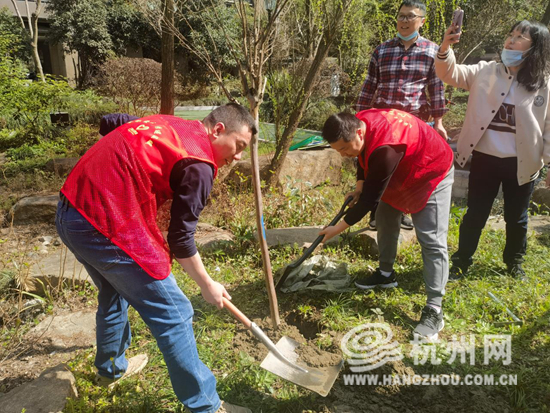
x=402 y=75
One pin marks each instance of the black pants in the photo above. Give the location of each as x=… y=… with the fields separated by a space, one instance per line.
x=486 y=174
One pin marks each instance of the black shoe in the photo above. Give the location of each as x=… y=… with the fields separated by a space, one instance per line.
x=431 y=323
x=517 y=272
x=457 y=272
x=459 y=268
x=376 y=279
x=372 y=225
x=406 y=222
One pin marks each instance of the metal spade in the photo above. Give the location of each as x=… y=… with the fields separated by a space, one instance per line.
x=282 y=359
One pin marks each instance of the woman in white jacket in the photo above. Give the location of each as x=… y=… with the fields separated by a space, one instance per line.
x=507 y=129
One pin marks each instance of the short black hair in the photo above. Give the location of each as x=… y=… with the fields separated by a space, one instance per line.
x=233 y=116
x=342 y=125
x=535 y=71
x=415 y=4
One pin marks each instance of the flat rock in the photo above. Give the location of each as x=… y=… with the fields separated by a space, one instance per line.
x=68 y=330
x=366 y=240
x=47 y=394
x=61 y=166
x=59 y=265
x=303 y=236
x=541 y=196
x=301 y=169
x=208 y=237
x=35 y=210
x=539 y=224
x=460 y=184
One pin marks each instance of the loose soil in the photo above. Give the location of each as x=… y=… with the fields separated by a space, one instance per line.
x=366 y=398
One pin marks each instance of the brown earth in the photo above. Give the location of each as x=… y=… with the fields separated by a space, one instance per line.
x=343 y=398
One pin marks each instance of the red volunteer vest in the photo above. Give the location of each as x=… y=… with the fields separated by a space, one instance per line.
x=121 y=181
x=426 y=162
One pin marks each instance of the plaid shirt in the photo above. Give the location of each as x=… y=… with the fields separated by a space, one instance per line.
x=401 y=78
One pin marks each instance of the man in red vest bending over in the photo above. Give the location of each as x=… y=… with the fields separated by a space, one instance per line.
x=106 y=217
x=404 y=166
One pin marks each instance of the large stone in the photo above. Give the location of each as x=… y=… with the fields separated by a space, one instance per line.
x=56 y=267
x=47 y=394
x=300 y=169
x=539 y=224
x=541 y=197
x=61 y=166
x=208 y=237
x=303 y=236
x=73 y=330
x=35 y=210
x=460 y=185
x=366 y=240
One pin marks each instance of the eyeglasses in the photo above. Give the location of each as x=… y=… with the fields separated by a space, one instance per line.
x=408 y=17
x=517 y=39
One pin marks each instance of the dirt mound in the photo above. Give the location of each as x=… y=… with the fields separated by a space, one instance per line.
x=244 y=341
x=315 y=357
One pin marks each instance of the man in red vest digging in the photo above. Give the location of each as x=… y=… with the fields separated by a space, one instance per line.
x=107 y=218
x=404 y=166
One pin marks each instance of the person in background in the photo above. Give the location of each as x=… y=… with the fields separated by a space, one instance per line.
x=407 y=168
x=401 y=75
x=507 y=130
x=112 y=121
x=107 y=218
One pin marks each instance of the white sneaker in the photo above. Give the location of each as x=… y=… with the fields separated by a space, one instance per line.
x=135 y=365
x=231 y=408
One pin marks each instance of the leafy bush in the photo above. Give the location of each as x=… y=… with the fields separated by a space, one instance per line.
x=317 y=113
x=133 y=84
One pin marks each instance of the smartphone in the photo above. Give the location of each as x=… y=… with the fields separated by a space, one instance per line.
x=458 y=16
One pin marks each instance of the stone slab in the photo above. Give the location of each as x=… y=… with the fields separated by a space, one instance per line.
x=539 y=224
x=58 y=265
x=68 y=330
x=47 y=394
x=294 y=235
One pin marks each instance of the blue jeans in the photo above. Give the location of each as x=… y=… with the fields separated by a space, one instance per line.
x=161 y=303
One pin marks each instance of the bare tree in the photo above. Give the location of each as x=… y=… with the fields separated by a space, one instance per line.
x=167 y=82
x=332 y=14
x=546 y=17
x=32 y=31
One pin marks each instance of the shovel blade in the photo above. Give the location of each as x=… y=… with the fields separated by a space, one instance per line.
x=317 y=379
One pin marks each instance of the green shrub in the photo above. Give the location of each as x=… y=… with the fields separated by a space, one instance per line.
x=79 y=139
x=317 y=113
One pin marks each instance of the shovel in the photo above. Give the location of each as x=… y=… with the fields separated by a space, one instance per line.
x=343 y=211
x=282 y=359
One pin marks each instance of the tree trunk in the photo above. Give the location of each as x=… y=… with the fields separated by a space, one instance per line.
x=34 y=43
x=546 y=18
x=272 y=295
x=296 y=115
x=167 y=81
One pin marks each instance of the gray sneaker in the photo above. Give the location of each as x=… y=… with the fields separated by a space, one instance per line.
x=135 y=365
x=431 y=323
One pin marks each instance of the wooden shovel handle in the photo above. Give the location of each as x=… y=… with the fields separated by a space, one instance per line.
x=236 y=313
